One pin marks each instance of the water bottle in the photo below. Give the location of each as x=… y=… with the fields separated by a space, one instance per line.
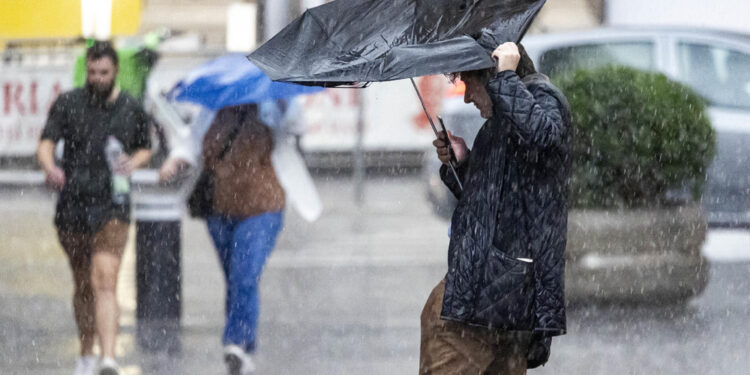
x=120 y=181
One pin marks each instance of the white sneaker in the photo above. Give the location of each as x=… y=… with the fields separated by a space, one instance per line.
x=86 y=365
x=108 y=366
x=238 y=362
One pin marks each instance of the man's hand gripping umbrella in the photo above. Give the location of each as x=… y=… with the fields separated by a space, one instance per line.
x=444 y=141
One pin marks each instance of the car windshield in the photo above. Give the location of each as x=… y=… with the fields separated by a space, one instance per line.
x=639 y=55
x=720 y=75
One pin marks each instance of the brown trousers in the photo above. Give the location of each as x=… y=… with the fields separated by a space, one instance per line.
x=80 y=247
x=459 y=349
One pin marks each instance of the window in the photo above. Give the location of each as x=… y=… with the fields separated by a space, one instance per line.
x=639 y=55
x=721 y=75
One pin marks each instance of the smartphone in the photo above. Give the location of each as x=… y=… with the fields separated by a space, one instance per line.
x=444 y=135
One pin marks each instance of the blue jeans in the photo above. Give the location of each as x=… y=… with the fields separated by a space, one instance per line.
x=243 y=245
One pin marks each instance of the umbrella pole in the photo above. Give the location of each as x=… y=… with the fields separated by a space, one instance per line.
x=437 y=134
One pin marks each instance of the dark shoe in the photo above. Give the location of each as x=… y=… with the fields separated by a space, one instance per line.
x=238 y=362
x=234 y=364
x=108 y=366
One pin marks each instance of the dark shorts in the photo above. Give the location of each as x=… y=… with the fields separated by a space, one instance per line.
x=76 y=215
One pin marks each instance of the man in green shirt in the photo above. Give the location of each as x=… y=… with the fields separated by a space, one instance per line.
x=92 y=228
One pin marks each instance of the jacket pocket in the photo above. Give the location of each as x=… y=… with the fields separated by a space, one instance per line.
x=507 y=296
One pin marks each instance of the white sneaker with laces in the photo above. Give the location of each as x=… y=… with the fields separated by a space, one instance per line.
x=238 y=362
x=86 y=365
x=108 y=366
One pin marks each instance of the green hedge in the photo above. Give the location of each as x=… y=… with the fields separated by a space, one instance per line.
x=636 y=135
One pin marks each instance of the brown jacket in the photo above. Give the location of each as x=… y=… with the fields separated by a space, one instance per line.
x=245 y=181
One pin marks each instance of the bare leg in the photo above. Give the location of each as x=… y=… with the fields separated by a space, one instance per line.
x=108 y=244
x=85 y=310
x=78 y=248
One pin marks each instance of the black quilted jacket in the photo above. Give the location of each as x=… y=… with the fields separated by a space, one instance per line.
x=514 y=206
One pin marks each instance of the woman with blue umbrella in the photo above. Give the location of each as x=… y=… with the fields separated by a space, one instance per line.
x=240 y=193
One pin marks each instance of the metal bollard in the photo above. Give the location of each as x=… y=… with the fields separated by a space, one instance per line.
x=158 y=214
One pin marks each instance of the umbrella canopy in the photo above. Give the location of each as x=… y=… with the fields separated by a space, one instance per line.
x=355 y=41
x=232 y=80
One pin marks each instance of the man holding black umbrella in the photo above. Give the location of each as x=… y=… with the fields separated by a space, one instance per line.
x=502 y=299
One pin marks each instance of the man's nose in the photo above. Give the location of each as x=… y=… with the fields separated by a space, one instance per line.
x=467 y=97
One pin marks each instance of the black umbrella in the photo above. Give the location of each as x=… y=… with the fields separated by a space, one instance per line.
x=356 y=41
x=349 y=42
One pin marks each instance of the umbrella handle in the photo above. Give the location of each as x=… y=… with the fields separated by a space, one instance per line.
x=453 y=162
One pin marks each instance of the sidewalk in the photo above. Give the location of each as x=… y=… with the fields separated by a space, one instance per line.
x=342 y=295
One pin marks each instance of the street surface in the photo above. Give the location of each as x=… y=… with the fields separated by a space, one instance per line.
x=343 y=295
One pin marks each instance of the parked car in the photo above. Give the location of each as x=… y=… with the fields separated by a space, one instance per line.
x=716 y=65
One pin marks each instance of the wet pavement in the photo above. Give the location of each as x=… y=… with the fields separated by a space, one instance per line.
x=343 y=296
